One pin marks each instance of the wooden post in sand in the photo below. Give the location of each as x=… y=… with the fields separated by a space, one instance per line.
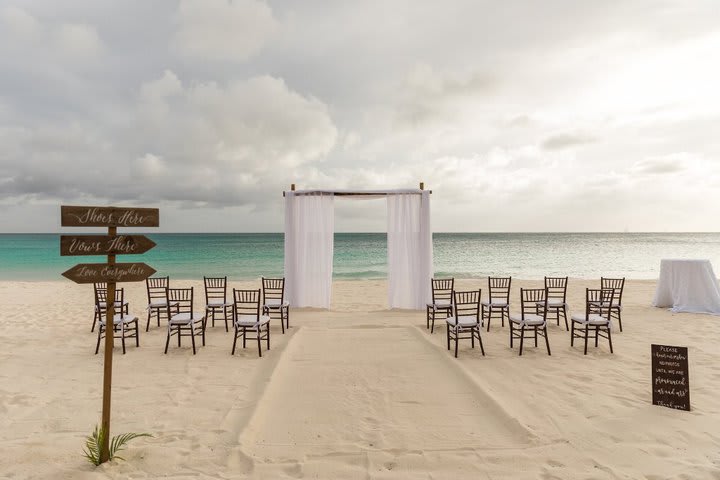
x=109 y=272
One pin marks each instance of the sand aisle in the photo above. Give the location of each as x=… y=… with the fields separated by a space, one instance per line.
x=346 y=400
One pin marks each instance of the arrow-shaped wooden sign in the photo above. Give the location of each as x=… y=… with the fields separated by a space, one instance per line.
x=104 y=244
x=72 y=216
x=103 y=272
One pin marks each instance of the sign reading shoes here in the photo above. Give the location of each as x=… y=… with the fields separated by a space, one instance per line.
x=104 y=244
x=72 y=216
x=103 y=272
x=111 y=245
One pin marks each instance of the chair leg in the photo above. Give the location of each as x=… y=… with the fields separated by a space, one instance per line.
x=619 y=318
x=547 y=342
x=268 y=333
x=97 y=347
x=536 y=333
x=447 y=332
x=122 y=334
x=225 y=310
x=167 y=341
x=456 y=341
x=503 y=311
x=564 y=310
x=258 y=342
x=137 y=334
x=597 y=335
x=472 y=337
x=147 y=327
x=432 y=322
x=244 y=335
x=522 y=338
x=95 y=319
x=482 y=349
x=511 y=332
x=192 y=336
x=610 y=340
x=282 y=324
x=587 y=334
x=489 y=316
x=572 y=334
x=234 y=341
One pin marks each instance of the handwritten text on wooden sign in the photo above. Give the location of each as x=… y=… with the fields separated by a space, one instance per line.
x=72 y=216
x=670 y=377
x=103 y=272
x=104 y=244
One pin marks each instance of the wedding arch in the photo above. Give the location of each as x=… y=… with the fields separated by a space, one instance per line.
x=309 y=235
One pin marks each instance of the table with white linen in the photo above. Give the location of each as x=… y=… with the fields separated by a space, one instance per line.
x=687 y=285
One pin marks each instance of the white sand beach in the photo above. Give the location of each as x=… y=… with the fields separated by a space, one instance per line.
x=355 y=392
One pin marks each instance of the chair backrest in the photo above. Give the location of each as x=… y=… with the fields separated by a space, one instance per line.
x=599 y=300
x=101 y=296
x=529 y=299
x=180 y=300
x=273 y=289
x=157 y=288
x=442 y=289
x=467 y=304
x=499 y=288
x=556 y=287
x=215 y=288
x=246 y=303
x=617 y=284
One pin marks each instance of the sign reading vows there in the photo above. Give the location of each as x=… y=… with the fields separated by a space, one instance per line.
x=71 y=216
x=104 y=244
x=670 y=377
x=103 y=272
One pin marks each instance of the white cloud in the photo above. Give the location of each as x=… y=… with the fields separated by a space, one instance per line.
x=78 y=41
x=230 y=30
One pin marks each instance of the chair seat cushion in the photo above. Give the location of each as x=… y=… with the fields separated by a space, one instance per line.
x=218 y=302
x=593 y=319
x=463 y=321
x=119 y=318
x=530 y=319
x=117 y=304
x=186 y=318
x=554 y=302
x=605 y=305
x=161 y=302
x=275 y=303
x=251 y=320
x=495 y=303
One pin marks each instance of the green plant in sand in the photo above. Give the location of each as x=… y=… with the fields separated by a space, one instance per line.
x=94 y=441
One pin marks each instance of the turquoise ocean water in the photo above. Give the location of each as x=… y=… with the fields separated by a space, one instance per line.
x=364 y=255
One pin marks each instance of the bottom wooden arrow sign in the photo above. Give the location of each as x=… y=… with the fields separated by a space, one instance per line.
x=103 y=272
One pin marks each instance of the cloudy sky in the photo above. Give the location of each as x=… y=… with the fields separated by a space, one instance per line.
x=560 y=115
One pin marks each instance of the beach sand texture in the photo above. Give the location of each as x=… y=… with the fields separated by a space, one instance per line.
x=354 y=392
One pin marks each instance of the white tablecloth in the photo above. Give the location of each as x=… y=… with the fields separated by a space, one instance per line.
x=687 y=286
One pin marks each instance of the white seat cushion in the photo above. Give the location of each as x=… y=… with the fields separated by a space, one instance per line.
x=186 y=318
x=463 y=321
x=593 y=319
x=118 y=319
x=160 y=302
x=553 y=302
x=495 y=303
x=275 y=303
x=218 y=302
x=530 y=319
x=251 y=320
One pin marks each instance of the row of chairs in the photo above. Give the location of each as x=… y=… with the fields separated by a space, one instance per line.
x=250 y=311
x=465 y=312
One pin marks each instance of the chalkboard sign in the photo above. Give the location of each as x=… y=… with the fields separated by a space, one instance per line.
x=670 y=377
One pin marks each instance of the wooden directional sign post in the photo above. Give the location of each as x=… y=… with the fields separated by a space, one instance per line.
x=111 y=244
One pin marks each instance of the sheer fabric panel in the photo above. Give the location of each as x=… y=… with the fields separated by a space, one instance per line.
x=309 y=232
x=409 y=250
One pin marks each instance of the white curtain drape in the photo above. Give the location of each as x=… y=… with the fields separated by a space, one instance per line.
x=409 y=250
x=309 y=231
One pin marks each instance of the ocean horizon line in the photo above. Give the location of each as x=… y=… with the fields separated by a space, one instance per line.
x=575 y=232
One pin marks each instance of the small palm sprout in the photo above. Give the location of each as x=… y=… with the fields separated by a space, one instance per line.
x=93 y=444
